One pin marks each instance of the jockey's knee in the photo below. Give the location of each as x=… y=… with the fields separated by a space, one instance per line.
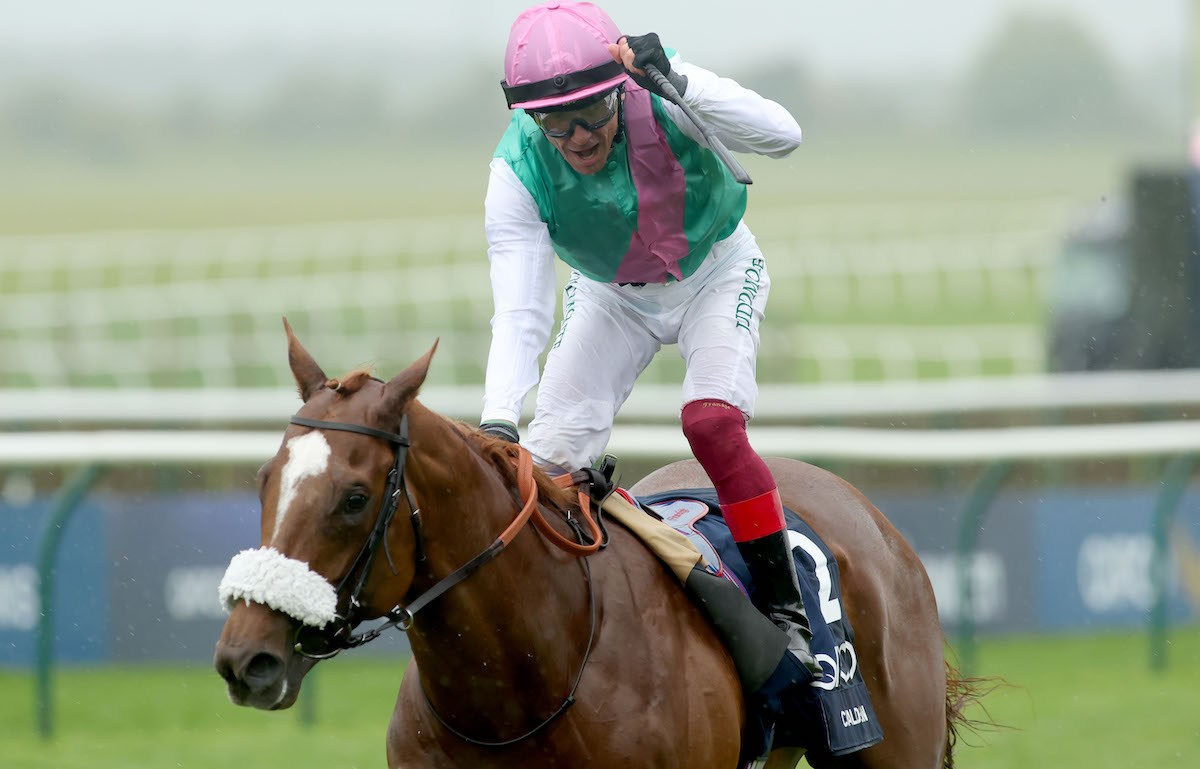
x=716 y=431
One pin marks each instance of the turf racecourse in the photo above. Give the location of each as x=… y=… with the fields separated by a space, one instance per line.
x=1074 y=703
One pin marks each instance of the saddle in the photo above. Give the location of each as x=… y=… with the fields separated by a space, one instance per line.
x=787 y=706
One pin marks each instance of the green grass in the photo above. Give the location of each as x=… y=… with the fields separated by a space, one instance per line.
x=1090 y=703
x=162 y=717
x=1073 y=703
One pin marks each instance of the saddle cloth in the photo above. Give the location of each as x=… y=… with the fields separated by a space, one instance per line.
x=830 y=715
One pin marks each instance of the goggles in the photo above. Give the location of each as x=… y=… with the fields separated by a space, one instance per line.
x=560 y=124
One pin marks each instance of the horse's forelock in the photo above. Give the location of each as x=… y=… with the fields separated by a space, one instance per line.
x=351 y=382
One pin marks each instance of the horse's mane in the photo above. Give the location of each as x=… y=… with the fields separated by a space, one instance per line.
x=495 y=450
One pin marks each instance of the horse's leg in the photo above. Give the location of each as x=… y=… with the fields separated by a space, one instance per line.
x=654 y=719
x=888 y=599
x=899 y=645
x=784 y=758
x=410 y=742
x=889 y=602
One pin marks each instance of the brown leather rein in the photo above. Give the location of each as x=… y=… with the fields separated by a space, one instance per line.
x=327 y=641
x=337 y=635
x=527 y=488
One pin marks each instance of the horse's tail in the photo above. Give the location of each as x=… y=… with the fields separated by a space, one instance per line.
x=961 y=693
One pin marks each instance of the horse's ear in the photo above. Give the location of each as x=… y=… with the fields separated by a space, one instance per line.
x=403 y=387
x=309 y=376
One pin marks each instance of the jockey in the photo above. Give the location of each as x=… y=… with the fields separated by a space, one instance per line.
x=598 y=168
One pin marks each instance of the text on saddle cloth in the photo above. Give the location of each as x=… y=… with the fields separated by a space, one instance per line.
x=840 y=694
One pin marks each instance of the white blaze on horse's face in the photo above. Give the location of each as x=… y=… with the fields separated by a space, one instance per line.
x=308 y=456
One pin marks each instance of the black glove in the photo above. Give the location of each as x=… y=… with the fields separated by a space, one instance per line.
x=648 y=50
x=506 y=431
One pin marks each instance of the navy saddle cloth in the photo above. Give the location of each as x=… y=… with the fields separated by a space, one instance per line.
x=829 y=715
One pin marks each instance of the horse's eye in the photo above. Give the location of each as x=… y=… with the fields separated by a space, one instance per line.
x=356 y=502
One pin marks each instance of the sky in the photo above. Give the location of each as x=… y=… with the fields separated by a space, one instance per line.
x=847 y=37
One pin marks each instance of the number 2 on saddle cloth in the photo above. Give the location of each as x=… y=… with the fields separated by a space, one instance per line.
x=830 y=714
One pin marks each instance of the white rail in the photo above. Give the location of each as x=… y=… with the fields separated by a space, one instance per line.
x=894 y=447
x=202 y=307
x=648 y=403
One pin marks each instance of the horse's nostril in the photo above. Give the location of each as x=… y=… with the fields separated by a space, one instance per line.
x=224 y=665
x=263 y=670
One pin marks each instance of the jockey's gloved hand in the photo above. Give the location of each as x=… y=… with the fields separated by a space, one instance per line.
x=648 y=50
x=498 y=428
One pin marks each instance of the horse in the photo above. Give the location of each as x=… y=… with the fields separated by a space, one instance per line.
x=537 y=648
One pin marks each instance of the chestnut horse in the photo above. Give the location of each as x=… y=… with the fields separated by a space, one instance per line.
x=541 y=658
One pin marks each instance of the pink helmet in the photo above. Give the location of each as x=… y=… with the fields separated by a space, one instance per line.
x=558 y=53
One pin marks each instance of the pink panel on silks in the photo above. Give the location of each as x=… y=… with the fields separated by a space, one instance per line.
x=659 y=242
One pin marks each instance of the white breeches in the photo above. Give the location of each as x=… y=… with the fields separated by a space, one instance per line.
x=609 y=334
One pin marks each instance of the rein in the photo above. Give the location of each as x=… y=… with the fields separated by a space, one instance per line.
x=323 y=643
x=570 y=698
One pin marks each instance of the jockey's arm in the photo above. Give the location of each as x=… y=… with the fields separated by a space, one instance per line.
x=523 y=293
x=742 y=119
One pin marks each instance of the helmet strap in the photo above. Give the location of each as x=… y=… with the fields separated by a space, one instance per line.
x=560 y=85
x=619 y=136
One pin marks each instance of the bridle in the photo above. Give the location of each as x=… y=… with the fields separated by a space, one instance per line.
x=325 y=642
x=328 y=641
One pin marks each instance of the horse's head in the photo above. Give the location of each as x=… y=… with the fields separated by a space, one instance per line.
x=323 y=495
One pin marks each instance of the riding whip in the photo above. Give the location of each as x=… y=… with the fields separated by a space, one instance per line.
x=668 y=90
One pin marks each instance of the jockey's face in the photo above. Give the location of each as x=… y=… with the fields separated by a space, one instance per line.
x=584 y=149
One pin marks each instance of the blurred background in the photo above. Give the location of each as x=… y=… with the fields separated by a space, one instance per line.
x=990 y=226
x=178 y=175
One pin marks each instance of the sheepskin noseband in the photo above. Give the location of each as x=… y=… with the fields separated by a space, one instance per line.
x=269 y=577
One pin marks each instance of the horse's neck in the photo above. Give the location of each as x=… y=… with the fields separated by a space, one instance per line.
x=519 y=626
